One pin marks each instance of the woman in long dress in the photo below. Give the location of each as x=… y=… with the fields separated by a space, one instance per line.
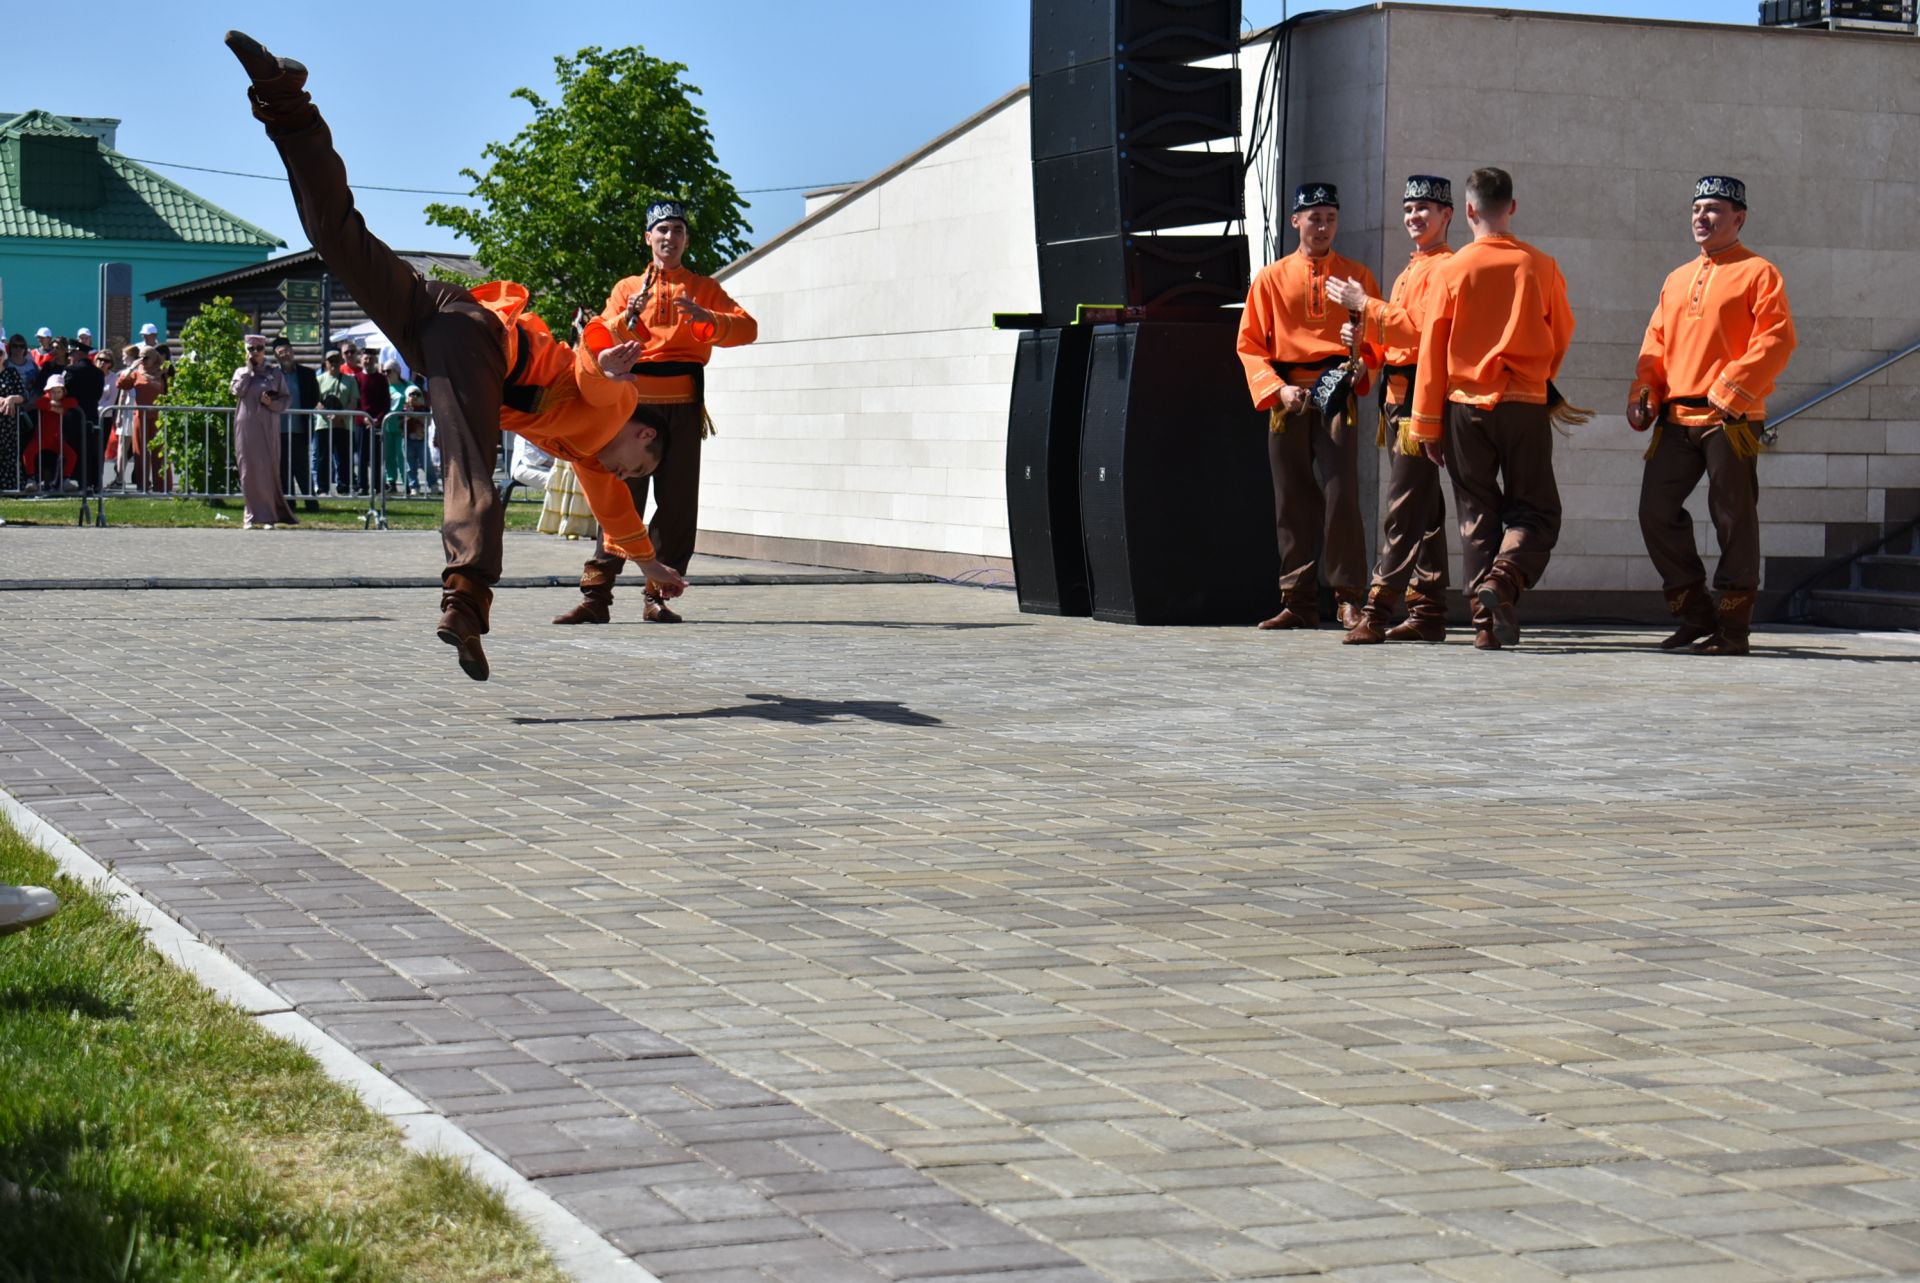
x=259 y=396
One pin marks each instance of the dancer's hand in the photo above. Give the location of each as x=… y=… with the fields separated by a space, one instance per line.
x=663 y=580
x=1292 y=398
x=692 y=311
x=617 y=361
x=1434 y=454
x=1350 y=294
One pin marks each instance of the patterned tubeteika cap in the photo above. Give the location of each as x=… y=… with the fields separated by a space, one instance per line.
x=661 y=210
x=1720 y=187
x=1428 y=187
x=1307 y=195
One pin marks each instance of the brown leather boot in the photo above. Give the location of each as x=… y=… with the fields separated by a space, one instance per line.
x=1497 y=592
x=1690 y=605
x=1301 y=611
x=1733 y=630
x=1483 y=636
x=464 y=605
x=1370 y=629
x=596 y=594
x=1426 y=619
x=279 y=89
x=658 y=612
x=1347 y=606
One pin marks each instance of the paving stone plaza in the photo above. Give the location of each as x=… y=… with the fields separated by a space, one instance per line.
x=877 y=931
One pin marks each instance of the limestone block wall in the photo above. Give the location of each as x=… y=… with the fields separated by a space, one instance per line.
x=872 y=412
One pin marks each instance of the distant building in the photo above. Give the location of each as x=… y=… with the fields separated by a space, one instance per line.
x=262 y=290
x=69 y=202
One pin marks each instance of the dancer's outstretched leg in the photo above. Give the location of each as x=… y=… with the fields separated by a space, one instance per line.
x=439 y=328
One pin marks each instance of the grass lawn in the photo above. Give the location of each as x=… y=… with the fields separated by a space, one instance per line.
x=150 y=1132
x=334 y=514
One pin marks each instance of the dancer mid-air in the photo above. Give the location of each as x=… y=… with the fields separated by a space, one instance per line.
x=490 y=365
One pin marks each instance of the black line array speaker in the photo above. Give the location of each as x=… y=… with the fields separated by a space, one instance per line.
x=1043 y=471
x=1068 y=33
x=1176 y=501
x=1114 y=95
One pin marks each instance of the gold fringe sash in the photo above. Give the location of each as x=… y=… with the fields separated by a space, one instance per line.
x=1740 y=436
x=706 y=423
x=1653 y=446
x=1277 y=419
x=1406 y=442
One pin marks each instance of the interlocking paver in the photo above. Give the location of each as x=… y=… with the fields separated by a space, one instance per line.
x=1187 y=950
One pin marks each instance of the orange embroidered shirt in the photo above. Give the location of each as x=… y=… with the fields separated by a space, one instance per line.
x=1497 y=329
x=664 y=331
x=1290 y=320
x=1394 y=324
x=1722 y=330
x=581 y=410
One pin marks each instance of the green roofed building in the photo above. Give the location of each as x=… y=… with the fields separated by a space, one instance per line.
x=69 y=203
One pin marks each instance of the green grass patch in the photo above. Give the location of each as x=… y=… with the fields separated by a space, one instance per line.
x=334 y=514
x=149 y=1131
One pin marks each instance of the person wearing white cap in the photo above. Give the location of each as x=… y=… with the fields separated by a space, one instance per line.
x=23 y=907
x=259 y=395
x=53 y=438
x=149 y=335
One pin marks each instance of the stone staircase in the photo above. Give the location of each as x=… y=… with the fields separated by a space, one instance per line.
x=1881 y=588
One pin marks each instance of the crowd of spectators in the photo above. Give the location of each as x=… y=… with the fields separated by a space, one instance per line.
x=79 y=419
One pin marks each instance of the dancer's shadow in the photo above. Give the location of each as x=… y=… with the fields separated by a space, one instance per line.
x=768 y=708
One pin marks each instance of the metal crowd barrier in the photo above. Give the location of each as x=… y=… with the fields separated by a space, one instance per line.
x=338 y=454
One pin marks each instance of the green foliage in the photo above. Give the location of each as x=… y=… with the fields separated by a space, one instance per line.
x=562 y=207
x=199 y=447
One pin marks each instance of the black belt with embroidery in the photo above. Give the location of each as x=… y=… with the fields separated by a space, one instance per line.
x=1287 y=370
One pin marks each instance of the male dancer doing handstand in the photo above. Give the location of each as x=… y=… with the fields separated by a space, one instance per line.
x=490 y=364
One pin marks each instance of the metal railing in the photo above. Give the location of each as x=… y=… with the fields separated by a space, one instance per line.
x=176 y=451
x=1844 y=384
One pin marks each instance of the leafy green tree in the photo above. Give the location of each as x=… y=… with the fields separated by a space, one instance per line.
x=199 y=447
x=562 y=207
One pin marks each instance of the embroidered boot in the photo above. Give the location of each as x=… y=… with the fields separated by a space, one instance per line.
x=1301 y=611
x=596 y=594
x=1497 y=592
x=464 y=605
x=1426 y=619
x=1347 y=606
x=1690 y=605
x=1733 y=630
x=1370 y=629
x=279 y=89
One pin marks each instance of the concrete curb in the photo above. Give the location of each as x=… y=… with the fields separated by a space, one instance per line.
x=575 y=1246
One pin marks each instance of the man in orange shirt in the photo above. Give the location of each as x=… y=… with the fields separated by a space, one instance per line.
x=1413 y=538
x=1719 y=339
x=1289 y=337
x=1495 y=334
x=678 y=317
x=490 y=365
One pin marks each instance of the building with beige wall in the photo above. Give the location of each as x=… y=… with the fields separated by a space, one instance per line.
x=871 y=415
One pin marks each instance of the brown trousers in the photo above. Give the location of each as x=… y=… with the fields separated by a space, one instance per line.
x=1501 y=461
x=1682 y=457
x=1316 y=498
x=675 y=486
x=439 y=328
x=1413 y=537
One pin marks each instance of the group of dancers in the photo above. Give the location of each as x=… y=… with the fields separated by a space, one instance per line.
x=1465 y=349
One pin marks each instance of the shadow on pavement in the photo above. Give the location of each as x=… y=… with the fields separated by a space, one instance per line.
x=769 y=708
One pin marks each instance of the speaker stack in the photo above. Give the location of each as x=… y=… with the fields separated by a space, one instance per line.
x=1136 y=468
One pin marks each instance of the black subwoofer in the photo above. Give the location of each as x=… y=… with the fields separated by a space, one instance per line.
x=1176 y=500
x=1043 y=471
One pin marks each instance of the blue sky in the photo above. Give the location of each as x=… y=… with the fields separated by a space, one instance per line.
x=799 y=92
